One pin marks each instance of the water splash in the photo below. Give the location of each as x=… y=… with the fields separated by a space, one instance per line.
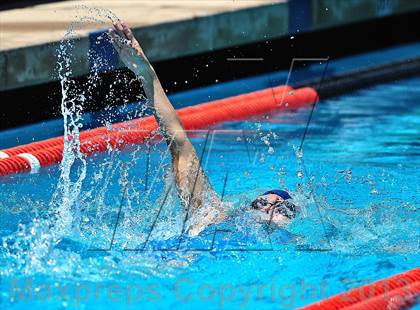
x=32 y=248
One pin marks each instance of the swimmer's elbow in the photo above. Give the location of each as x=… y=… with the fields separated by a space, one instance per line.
x=180 y=144
x=179 y=138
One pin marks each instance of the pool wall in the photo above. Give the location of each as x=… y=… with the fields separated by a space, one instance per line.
x=206 y=34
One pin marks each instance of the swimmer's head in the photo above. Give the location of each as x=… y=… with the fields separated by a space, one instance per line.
x=276 y=206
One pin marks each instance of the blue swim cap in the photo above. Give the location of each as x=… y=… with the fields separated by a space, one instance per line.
x=283 y=194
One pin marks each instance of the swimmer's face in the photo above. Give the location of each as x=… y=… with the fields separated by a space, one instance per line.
x=274 y=209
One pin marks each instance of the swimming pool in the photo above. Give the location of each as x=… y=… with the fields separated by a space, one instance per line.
x=356 y=178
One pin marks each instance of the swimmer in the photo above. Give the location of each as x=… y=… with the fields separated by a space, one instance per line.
x=202 y=204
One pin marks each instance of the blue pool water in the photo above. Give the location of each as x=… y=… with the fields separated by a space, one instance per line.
x=117 y=245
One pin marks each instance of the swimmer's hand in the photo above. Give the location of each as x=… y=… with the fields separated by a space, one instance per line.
x=129 y=49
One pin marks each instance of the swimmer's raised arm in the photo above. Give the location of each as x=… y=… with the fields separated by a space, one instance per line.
x=135 y=59
x=192 y=184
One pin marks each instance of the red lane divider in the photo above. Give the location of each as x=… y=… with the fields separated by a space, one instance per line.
x=401 y=298
x=276 y=93
x=396 y=292
x=40 y=154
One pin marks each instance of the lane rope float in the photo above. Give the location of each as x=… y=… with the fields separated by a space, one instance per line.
x=3 y=155
x=33 y=162
x=136 y=131
x=396 y=292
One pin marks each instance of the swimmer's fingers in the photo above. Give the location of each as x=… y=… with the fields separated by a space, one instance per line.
x=122 y=30
x=117 y=39
x=118 y=27
x=130 y=37
x=127 y=31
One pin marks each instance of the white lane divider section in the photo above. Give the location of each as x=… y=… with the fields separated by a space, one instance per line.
x=3 y=155
x=33 y=162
